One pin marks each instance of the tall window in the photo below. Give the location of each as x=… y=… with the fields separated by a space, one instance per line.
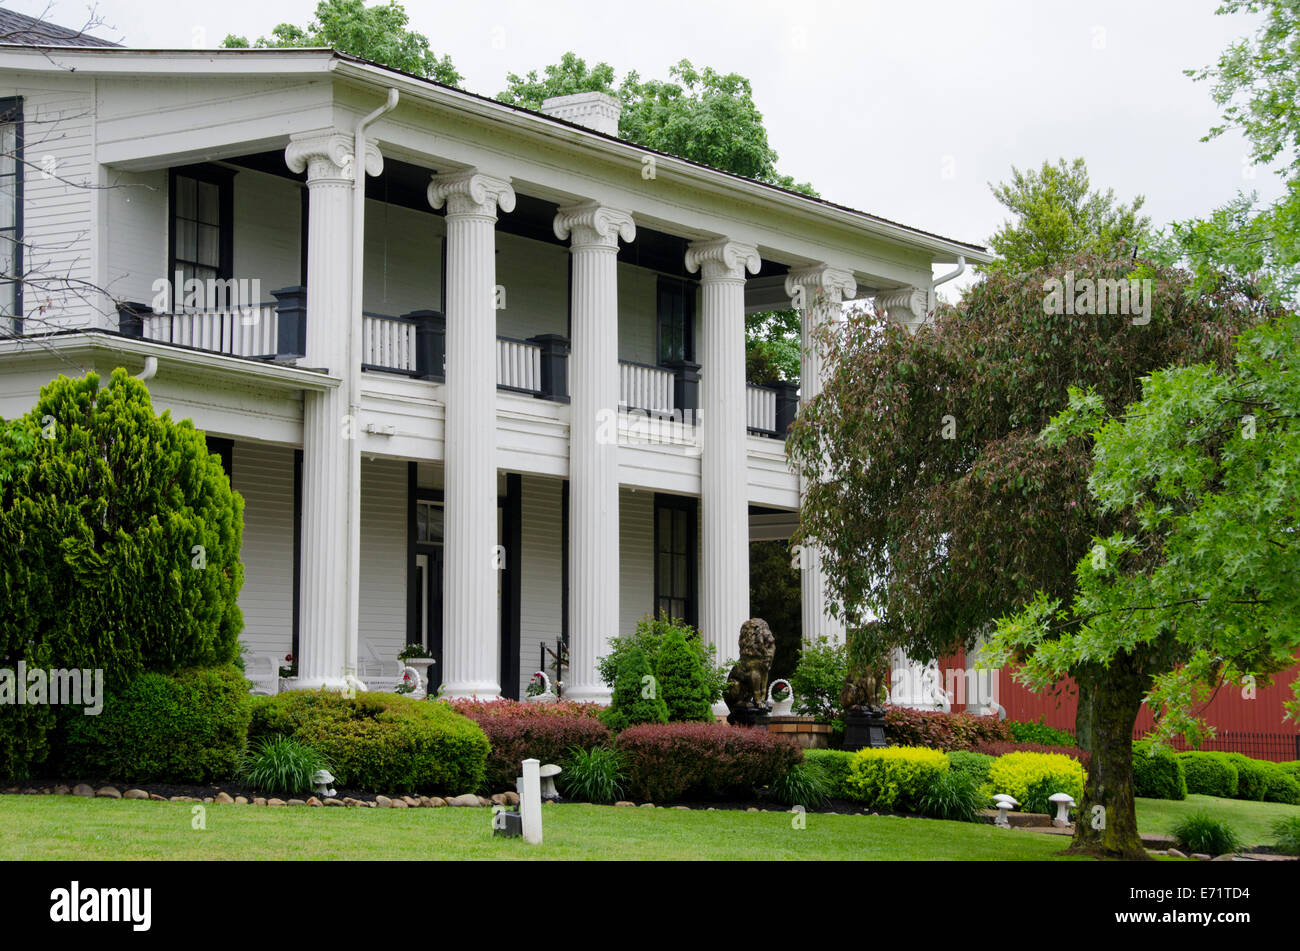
x=201 y=223
x=675 y=557
x=11 y=215
x=676 y=309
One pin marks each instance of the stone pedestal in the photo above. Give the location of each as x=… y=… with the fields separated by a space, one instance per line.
x=758 y=718
x=864 y=730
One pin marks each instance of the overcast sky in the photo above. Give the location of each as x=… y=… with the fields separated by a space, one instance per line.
x=906 y=109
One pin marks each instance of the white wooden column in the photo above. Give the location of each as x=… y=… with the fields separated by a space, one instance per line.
x=471 y=645
x=593 y=232
x=328 y=433
x=817 y=293
x=724 y=495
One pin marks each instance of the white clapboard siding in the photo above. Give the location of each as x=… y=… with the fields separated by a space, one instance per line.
x=541 y=611
x=644 y=387
x=383 y=558
x=519 y=365
x=760 y=408
x=386 y=342
x=263 y=475
x=636 y=557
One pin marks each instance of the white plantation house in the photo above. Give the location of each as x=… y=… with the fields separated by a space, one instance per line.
x=478 y=372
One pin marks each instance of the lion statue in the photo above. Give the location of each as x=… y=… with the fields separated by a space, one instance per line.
x=747 y=683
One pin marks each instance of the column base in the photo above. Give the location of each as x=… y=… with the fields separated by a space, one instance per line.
x=318 y=683
x=598 y=694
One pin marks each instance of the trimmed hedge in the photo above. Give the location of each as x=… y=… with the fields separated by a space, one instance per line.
x=974 y=765
x=380 y=742
x=1157 y=774
x=942 y=731
x=1252 y=776
x=543 y=730
x=189 y=727
x=895 y=778
x=1002 y=749
x=1039 y=732
x=1208 y=774
x=1033 y=777
x=1282 y=786
x=835 y=765
x=672 y=761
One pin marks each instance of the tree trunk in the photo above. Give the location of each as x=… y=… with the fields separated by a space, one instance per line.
x=1106 y=826
x=1086 y=682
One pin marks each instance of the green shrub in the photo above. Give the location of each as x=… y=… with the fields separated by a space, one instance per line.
x=1157 y=774
x=190 y=727
x=952 y=795
x=279 y=764
x=1291 y=767
x=818 y=679
x=380 y=742
x=894 y=778
x=804 y=784
x=674 y=761
x=1201 y=832
x=129 y=536
x=637 y=698
x=1032 y=778
x=1039 y=732
x=649 y=638
x=1286 y=835
x=1208 y=774
x=683 y=679
x=1282 y=786
x=835 y=766
x=594 y=775
x=974 y=765
x=1252 y=776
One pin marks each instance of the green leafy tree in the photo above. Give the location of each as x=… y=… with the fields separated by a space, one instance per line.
x=377 y=33
x=1257 y=83
x=637 y=698
x=648 y=638
x=937 y=508
x=1057 y=215
x=119 y=544
x=1195 y=588
x=683 y=680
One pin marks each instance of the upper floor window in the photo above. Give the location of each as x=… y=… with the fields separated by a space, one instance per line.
x=11 y=213
x=676 y=312
x=202 y=211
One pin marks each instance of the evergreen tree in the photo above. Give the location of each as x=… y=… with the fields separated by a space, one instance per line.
x=683 y=680
x=637 y=698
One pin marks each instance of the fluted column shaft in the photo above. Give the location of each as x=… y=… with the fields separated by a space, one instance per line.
x=817 y=292
x=724 y=495
x=593 y=231
x=471 y=637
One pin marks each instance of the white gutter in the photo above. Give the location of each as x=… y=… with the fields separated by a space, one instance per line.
x=951 y=275
x=353 y=384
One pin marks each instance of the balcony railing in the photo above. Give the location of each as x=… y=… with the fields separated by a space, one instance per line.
x=240 y=332
x=646 y=388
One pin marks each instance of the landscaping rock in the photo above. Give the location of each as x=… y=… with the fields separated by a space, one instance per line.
x=297 y=802
x=383 y=802
x=624 y=802
x=499 y=799
x=183 y=799
x=484 y=801
x=62 y=791
x=437 y=802
x=1201 y=856
x=647 y=805
x=209 y=799
x=426 y=802
x=81 y=789
x=275 y=802
x=752 y=809
x=29 y=791
x=466 y=799
x=259 y=801
x=349 y=801
x=241 y=800
x=335 y=802
x=135 y=794
x=398 y=804
x=154 y=797
x=224 y=798
x=412 y=802
x=1175 y=854
x=108 y=792
x=313 y=801
x=512 y=798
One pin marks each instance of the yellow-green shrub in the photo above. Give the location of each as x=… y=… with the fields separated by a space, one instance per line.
x=1032 y=777
x=895 y=777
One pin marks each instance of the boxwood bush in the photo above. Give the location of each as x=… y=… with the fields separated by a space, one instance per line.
x=518 y=730
x=1033 y=777
x=834 y=765
x=1157 y=774
x=894 y=778
x=1252 y=776
x=1209 y=774
x=673 y=761
x=189 y=727
x=380 y=742
x=974 y=765
x=1282 y=786
x=1039 y=732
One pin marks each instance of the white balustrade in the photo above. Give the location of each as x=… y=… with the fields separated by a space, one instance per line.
x=645 y=387
x=387 y=342
x=249 y=332
x=519 y=365
x=760 y=408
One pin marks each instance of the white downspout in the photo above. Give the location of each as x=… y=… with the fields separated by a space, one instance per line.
x=150 y=368
x=352 y=645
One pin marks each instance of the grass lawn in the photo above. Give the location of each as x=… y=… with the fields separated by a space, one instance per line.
x=1251 y=820
x=70 y=827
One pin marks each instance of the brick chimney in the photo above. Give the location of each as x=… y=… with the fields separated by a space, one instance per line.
x=595 y=110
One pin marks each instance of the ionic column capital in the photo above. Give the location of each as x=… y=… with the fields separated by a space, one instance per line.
x=722 y=259
x=327 y=156
x=906 y=306
x=820 y=283
x=471 y=194
x=593 y=225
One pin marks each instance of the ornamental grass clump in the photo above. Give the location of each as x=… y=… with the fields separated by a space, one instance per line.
x=1286 y=835
x=593 y=775
x=280 y=764
x=1201 y=832
x=952 y=795
x=805 y=784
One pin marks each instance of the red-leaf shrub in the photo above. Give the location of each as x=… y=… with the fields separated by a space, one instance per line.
x=1002 y=748
x=942 y=731
x=518 y=730
x=672 y=761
